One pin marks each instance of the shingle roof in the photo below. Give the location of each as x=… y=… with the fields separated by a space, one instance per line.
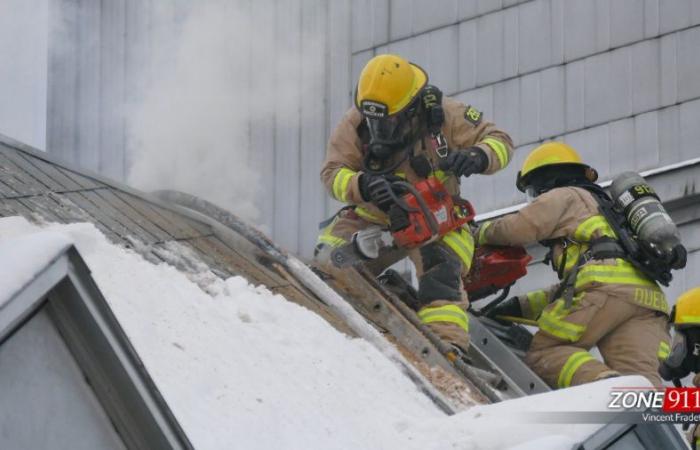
x=38 y=187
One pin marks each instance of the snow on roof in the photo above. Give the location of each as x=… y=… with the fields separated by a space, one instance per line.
x=241 y=367
x=23 y=257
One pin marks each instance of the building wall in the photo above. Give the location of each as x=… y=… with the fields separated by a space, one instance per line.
x=101 y=51
x=23 y=71
x=616 y=79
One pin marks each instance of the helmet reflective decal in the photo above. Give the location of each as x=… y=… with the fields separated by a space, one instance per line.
x=374 y=109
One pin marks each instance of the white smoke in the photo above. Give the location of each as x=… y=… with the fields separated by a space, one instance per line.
x=190 y=129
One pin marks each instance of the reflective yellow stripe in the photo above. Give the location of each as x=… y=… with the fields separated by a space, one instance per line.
x=685 y=318
x=571 y=365
x=622 y=273
x=400 y=174
x=327 y=237
x=333 y=241
x=594 y=223
x=365 y=214
x=482 y=232
x=572 y=255
x=552 y=321
x=499 y=148
x=462 y=243
x=440 y=175
x=448 y=313
x=664 y=350
x=537 y=301
x=341 y=182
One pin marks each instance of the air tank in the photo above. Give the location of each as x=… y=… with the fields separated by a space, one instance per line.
x=647 y=218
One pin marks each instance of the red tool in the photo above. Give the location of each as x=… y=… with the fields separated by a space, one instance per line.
x=426 y=212
x=494 y=269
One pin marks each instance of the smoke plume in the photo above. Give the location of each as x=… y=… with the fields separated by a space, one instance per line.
x=190 y=128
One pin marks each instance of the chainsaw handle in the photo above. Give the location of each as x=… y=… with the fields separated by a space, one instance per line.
x=434 y=227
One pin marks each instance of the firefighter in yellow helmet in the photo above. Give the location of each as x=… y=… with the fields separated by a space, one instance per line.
x=602 y=299
x=402 y=127
x=684 y=356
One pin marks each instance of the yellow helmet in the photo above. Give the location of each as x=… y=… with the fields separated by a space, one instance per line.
x=550 y=154
x=686 y=313
x=387 y=85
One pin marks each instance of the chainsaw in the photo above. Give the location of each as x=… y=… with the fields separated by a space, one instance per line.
x=425 y=213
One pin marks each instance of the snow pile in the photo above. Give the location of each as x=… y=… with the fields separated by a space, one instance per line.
x=23 y=258
x=243 y=368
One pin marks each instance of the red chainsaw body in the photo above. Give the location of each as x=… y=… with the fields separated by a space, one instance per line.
x=495 y=268
x=448 y=215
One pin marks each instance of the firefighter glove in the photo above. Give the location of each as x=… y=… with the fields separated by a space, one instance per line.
x=466 y=162
x=378 y=189
x=510 y=307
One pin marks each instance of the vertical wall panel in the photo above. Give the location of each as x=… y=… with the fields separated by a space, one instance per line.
x=646 y=131
x=552 y=99
x=669 y=135
x=534 y=38
x=401 y=19
x=626 y=21
x=339 y=82
x=88 y=110
x=689 y=64
x=489 y=52
x=622 y=147
x=313 y=120
x=111 y=64
x=262 y=130
x=574 y=95
x=580 y=20
x=690 y=131
x=427 y=15
x=442 y=66
x=651 y=18
x=287 y=134
x=669 y=73
x=529 y=110
x=369 y=23
x=674 y=14
x=467 y=55
x=61 y=135
x=645 y=76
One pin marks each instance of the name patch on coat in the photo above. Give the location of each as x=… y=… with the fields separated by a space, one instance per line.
x=472 y=115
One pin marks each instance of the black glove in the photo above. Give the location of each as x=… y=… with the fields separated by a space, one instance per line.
x=432 y=104
x=465 y=162
x=510 y=307
x=378 y=190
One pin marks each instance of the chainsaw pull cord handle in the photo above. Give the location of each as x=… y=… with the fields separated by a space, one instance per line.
x=434 y=227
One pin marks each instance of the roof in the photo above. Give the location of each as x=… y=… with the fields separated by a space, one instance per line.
x=58 y=282
x=39 y=187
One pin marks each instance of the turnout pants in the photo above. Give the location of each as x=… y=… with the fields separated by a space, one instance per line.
x=439 y=267
x=630 y=337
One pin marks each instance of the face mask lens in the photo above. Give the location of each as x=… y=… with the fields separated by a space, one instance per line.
x=530 y=194
x=382 y=129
